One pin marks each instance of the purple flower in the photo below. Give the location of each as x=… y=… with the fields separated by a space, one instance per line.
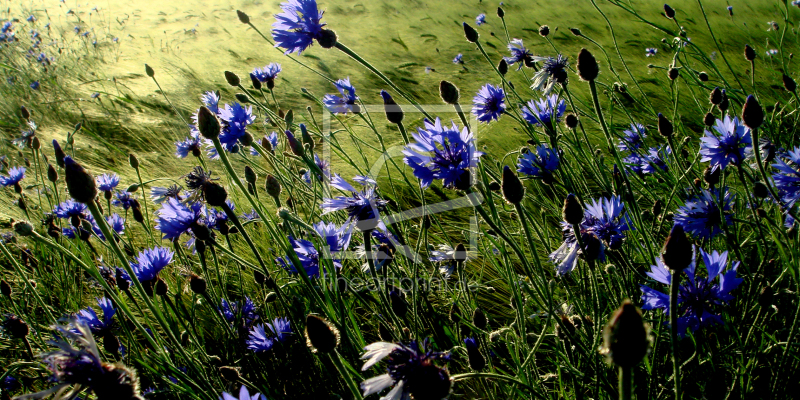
x=489 y=103
x=410 y=369
x=236 y=118
x=268 y=73
x=233 y=311
x=441 y=152
x=123 y=199
x=176 y=218
x=701 y=215
x=728 y=146
x=297 y=26
x=107 y=182
x=150 y=262
x=519 y=54
x=363 y=207
x=480 y=19
x=540 y=164
x=546 y=112
x=344 y=104
x=191 y=145
x=97 y=325
x=459 y=59
x=15 y=175
x=554 y=70
x=69 y=209
x=243 y=395
x=633 y=138
x=787 y=179
x=650 y=52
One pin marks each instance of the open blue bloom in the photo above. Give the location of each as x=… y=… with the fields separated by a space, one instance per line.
x=344 y=104
x=480 y=19
x=211 y=101
x=251 y=216
x=150 y=262
x=268 y=73
x=650 y=51
x=15 y=175
x=234 y=311
x=272 y=138
x=259 y=340
x=699 y=298
x=655 y=160
x=323 y=165
x=123 y=199
x=69 y=209
x=98 y=326
x=115 y=222
x=281 y=328
x=545 y=112
x=519 y=54
x=787 y=179
x=554 y=70
x=309 y=259
x=410 y=369
x=243 y=395
x=727 y=146
x=540 y=164
x=107 y=182
x=176 y=218
x=161 y=194
x=191 y=145
x=441 y=152
x=297 y=26
x=489 y=104
x=362 y=206
x=459 y=59
x=605 y=221
x=337 y=238
x=236 y=118
x=633 y=138
x=701 y=215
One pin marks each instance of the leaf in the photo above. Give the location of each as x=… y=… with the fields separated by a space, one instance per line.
x=400 y=42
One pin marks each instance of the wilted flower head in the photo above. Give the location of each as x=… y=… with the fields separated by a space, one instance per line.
x=546 y=112
x=410 y=369
x=554 y=70
x=441 y=152
x=489 y=104
x=519 y=54
x=701 y=215
x=541 y=163
x=297 y=26
x=344 y=104
x=728 y=145
x=787 y=179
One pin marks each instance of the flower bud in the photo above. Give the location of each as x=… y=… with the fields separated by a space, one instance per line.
x=308 y=141
x=242 y=98
x=161 y=287
x=494 y=186
x=500 y=12
x=52 y=174
x=711 y=175
x=669 y=12
x=137 y=214
x=448 y=92
x=479 y=319
x=752 y=113
x=460 y=253
x=229 y=374
x=703 y=76
x=470 y=33
x=724 y=103
x=243 y=18
x=327 y=39
x=625 y=337
x=673 y=73
x=760 y=190
x=59 y=153
x=149 y=71
x=544 y=30
x=232 y=78
x=587 y=66
x=677 y=253
x=207 y=123
x=250 y=175
x=393 y=111
x=288 y=117
x=766 y=296
x=749 y=53
x=15 y=327
x=271 y=297
x=709 y=119
x=256 y=83
x=572 y=212
x=5 y=288
x=25 y=113
x=398 y=302
x=513 y=189
x=111 y=343
x=198 y=284
x=657 y=208
x=502 y=67
x=273 y=187
x=476 y=360
x=789 y=84
x=294 y=145
x=571 y=120
x=321 y=335
x=80 y=182
x=664 y=126
x=133 y=161
x=214 y=194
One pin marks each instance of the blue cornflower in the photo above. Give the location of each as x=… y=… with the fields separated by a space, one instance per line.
x=31 y=18
x=297 y=26
x=115 y=222
x=150 y=262
x=701 y=215
x=98 y=326
x=211 y=101
x=161 y=194
x=309 y=258
x=15 y=175
x=123 y=199
x=604 y=224
x=337 y=238
x=10 y=384
x=344 y=104
x=362 y=206
x=540 y=164
x=410 y=369
x=107 y=182
x=191 y=145
x=545 y=112
x=480 y=19
x=441 y=152
x=698 y=298
x=260 y=340
x=633 y=138
x=650 y=52
x=787 y=179
x=323 y=165
x=243 y=395
x=519 y=54
x=554 y=70
x=26 y=139
x=771 y=52
x=655 y=160
x=69 y=209
x=728 y=145
x=459 y=59
x=251 y=216
x=176 y=218
x=281 y=328
x=489 y=103
x=236 y=118
x=233 y=311
x=35 y=85
x=268 y=73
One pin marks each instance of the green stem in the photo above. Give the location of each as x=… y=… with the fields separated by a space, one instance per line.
x=673 y=330
x=625 y=383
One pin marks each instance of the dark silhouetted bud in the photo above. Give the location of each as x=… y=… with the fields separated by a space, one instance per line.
x=494 y=186
x=80 y=182
x=544 y=30
x=122 y=283
x=398 y=301
x=137 y=214
x=669 y=12
x=749 y=53
x=25 y=113
x=294 y=145
x=271 y=297
x=21 y=202
x=587 y=66
x=455 y=313
x=265 y=143
x=308 y=141
x=149 y=71
x=571 y=120
x=513 y=189
x=161 y=288
x=59 y=153
x=384 y=333
x=716 y=96
x=500 y=12
x=592 y=246
x=575 y=31
x=321 y=335
x=711 y=175
x=5 y=288
x=464 y=181
x=35 y=143
x=761 y=213
x=111 y=343
x=448 y=92
x=470 y=33
x=214 y=194
x=232 y=78
x=479 y=319
x=199 y=244
x=393 y=111
x=198 y=284
x=709 y=119
x=242 y=98
x=724 y=104
x=760 y=190
x=256 y=83
x=789 y=84
x=133 y=161
x=15 y=327
x=677 y=253
x=766 y=296
x=703 y=76
x=657 y=207
x=327 y=39
x=229 y=374
x=273 y=187
x=52 y=174
x=752 y=113
x=625 y=337
x=460 y=254
x=250 y=175
x=673 y=73
x=207 y=123
x=476 y=360
x=288 y=118
x=502 y=67
x=664 y=126
x=243 y=18
x=572 y=212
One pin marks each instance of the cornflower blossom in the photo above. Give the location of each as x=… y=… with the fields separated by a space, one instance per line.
x=441 y=152
x=363 y=206
x=123 y=199
x=633 y=138
x=410 y=369
x=297 y=26
x=260 y=340
x=15 y=175
x=650 y=51
x=787 y=179
x=236 y=119
x=98 y=326
x=272 y=138
x=150 y=262
x=191 y=145
x=244 y=394
x=699 y=298
x=539 y=164
x=308 y=256
x=554 y=70
x=115 y=222
x=107 y=182
x=545 y=112
x=701 y=215
x=489 y=103
x=480 y=19
x=69 y=209
x=459 y=59
x=161 y=194
x=323 y=165
x=344 y=104
x=727 y=146
x=176 y=218
x=655 y=159
x=268 y=73
x=520 y=55
x=234 y=311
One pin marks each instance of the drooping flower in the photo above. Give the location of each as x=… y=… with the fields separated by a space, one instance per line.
x=176 y=218
x=489 y=103
x=699 y=298
x=297 y=26
x=787 y=179
x=633 y=138
x=150 y=262
x=234 y=311
x=268 y=73
x=519 y=54
x=554 y=70
x=123 y=199
x=15 y=175
x=650 y=51
x=243 y=395
x=362 y=206
x=344 y=104
x=701 y=215
x=458 y=59
x=107 y=182
x=97 y=325
x=411 y=370
x=236 y=118
x=69 y=209
x=160 y=194
x=546 y=112
x=728 y=145
x=540 y=164
x=441 y=152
